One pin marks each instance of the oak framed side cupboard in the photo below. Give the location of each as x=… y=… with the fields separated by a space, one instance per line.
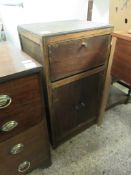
x=75 y=56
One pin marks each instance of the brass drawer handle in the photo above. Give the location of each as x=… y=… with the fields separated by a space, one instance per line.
x=84 y=44
x=17 y=149
x=24 y=167
x=8 y=126
x=5 y=101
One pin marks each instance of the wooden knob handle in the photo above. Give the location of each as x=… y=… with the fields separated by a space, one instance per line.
x=84 y=44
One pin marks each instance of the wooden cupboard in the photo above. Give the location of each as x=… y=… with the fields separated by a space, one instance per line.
x=74 y=55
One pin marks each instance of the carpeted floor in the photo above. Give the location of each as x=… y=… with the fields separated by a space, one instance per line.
x=104 y=150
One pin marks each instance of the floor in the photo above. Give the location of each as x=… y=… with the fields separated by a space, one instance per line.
x=104 y=150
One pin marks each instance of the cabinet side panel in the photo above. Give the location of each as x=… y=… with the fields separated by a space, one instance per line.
x=122 y=60
x=31 y=48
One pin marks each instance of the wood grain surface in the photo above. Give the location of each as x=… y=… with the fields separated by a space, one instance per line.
x=36 y=150
x=121 y=67
x=26 y=107
x=75 y=56
x=66 y=66
x=14 y=62
x=74 y=104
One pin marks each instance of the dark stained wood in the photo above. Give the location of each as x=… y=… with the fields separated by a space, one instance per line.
x=63 y=39
x=71 y=57
x=21 y=79
x=121 y=67
x=31 y=48
x=36 y=150
x=77 y=130
x=17 y=62
x=77 y=77
x=26 y=107
x=75 y=104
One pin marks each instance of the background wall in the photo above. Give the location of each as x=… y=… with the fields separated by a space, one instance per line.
x=0 y=18
x=49 y=10
x=107 y=11
x=101 y=11
x=120 y=10
x=40 y=11
x=52 y=10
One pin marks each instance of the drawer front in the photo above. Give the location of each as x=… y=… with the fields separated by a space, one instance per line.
x=75 y=104
x=121 y=67
x=34 y=151
x=25 y=108
x=71 y=57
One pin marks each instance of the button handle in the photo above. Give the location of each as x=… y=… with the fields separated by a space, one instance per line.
x=84 y=44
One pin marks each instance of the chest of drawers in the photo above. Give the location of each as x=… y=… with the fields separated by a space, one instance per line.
x=75 y=57
x=23 y=132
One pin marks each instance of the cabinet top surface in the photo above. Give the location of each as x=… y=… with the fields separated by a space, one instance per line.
x=13 y=61
x=62 y=27
x=122 y=35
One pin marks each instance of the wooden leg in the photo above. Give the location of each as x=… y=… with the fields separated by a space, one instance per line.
x=107 y=84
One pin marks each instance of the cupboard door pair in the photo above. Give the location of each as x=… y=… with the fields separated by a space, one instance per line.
x=75 y=104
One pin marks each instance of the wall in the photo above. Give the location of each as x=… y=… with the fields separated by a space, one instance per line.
x=48 y=10
x=52 y=10
x=101 y=11
x=119 y=11
x=114 y=12
x=40 y=11
x=11 y=17
x=0 y=18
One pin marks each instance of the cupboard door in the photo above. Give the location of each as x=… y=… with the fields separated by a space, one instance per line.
x=75 y=104
x=88 y=99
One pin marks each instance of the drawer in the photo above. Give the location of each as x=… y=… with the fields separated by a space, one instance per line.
x=121 y=67
x=75 y=104
x=26 y=107
x=22 y=91
x=31 y=147
x=71 y=57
